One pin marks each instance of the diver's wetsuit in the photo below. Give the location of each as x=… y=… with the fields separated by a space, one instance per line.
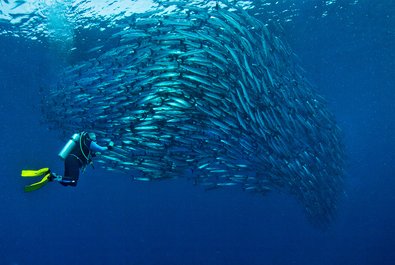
x=79 y=157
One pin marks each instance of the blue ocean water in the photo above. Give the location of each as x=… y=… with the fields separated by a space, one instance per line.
x=348 y=55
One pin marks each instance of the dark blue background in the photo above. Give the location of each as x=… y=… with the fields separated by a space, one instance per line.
x=108 y=219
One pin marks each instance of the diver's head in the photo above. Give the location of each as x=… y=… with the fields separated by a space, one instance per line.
x=92 y=136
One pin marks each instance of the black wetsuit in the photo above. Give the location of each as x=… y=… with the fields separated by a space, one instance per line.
x=75 y=161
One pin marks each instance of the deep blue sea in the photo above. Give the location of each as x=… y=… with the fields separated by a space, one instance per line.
x=349 y=57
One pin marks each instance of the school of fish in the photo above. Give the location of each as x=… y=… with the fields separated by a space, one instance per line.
x=210 y=93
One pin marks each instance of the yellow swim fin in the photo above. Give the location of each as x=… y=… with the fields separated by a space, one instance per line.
x=37 y=185
x=34 y=173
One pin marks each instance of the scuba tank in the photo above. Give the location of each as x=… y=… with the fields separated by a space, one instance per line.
x=69 y=146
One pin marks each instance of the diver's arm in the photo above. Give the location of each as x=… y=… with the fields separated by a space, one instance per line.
x=97 y=148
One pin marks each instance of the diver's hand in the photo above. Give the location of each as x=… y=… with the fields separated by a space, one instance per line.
x=110 y=145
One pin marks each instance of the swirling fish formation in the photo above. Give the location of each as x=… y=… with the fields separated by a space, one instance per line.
x=209 y=93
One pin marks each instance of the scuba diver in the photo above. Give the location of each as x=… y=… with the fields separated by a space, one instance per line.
x=77 y=155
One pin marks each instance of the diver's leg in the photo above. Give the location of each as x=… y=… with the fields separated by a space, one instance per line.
x=71 y=172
